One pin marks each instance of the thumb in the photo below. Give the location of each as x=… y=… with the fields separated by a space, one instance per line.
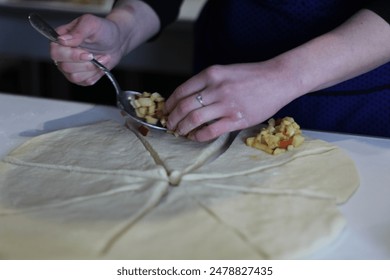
x=77 y=32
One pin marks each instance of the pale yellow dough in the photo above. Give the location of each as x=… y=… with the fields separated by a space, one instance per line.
x=105 y=192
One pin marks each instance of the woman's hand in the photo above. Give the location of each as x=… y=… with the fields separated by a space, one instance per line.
x=130 y=23
x=81 y=40
x=233 y=97
x=242 y=95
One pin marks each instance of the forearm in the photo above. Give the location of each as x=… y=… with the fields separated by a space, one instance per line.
x=136 y=23
x=358 y=46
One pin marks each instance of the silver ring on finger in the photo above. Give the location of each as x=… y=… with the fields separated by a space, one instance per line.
x=55 y=62
x=199 y=98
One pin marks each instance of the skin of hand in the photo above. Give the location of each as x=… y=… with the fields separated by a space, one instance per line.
x=241 y=95
x=129 y=24
x=235 y=97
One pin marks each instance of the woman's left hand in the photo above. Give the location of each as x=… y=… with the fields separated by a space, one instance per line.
x=227 y=98
x=241 y=95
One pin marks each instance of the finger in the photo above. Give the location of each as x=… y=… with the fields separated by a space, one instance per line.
x=77 y=67
x=190 y=87
x=78 y=72
x=199 y=117
x=88 y=66
x=67 y=54
x=66 y=28
x=215 y=129
x=84 y=79
x=82 y=73
x=188 y=104
x=78 y=31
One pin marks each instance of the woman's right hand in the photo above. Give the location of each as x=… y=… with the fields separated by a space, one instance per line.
x=81 y=40
x=130 y=23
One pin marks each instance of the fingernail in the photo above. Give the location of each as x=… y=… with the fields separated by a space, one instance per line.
x=65 y=37
x=171 y=127
x=86 y=56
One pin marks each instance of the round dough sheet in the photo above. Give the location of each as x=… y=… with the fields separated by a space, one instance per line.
x=103 y=191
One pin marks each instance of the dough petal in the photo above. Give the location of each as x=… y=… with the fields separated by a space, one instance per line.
x=101 y=148
x=71 y=226
x=179 y=155
x=316 y=169
x=198 y=222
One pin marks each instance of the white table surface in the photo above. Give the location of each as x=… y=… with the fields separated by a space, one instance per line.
x=367 y=234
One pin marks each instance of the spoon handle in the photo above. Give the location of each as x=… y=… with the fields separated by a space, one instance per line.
x=108 y=74
x=43 y=27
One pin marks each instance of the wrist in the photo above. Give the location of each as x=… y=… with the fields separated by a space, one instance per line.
x=291 y=76
x=135 y=21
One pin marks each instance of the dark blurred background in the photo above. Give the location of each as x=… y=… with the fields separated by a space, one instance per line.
x=26 y=69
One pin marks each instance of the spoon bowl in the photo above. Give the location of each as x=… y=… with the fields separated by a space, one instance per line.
x=123 y=98
x=124 y=103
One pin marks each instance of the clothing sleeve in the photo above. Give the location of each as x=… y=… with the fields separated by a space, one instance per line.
x=381 y=8
x=167 y=10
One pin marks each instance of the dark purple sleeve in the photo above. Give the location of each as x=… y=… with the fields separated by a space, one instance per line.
x=167 y=10
x=380 y=7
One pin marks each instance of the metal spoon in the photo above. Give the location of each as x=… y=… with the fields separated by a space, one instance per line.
x=123 y=98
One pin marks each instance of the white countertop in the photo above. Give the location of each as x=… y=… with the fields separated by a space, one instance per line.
x=367 y=235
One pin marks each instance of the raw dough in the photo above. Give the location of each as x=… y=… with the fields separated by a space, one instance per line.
x=178 y=155
x=105 y=192
x=316 y=169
